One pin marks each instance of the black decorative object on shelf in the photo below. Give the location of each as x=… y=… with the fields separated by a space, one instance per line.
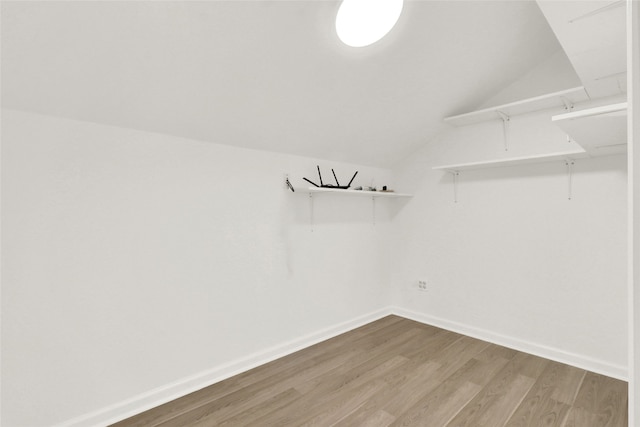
x=323 y=185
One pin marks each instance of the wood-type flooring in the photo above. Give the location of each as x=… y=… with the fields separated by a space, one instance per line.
x=397 y=372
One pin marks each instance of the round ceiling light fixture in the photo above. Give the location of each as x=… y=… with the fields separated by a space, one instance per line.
x=363 y=22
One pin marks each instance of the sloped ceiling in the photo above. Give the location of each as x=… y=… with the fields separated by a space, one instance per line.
x=269 y=75
x=593 y=35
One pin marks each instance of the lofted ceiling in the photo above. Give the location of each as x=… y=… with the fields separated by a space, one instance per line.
x=593 y=35
x=269 y=75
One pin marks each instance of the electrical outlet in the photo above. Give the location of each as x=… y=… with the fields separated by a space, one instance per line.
x=422 y=285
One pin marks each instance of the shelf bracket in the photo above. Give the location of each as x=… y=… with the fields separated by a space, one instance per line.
x=505 y=128
x=569 y=164
x=311 y=211
x=568 y=105
x=373 y=210
x=455 y=175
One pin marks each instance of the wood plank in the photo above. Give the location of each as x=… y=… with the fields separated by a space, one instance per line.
x=341 y=406
x=439 y=406
x=438 y=409
x=448 y=360
x=310 y=402
x=566 y=388
x=335 y=385
x=365 y=417
x=549 y=400
x=502 y=395
x=243 y=399
x=432 y=345
x=579 y=417
x=254 y=414
x=368 y=360
x=378 y=419
x=601 y=401
x=401 y=378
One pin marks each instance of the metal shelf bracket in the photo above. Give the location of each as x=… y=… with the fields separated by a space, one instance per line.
x=311 y=211
x=373 y=210
x=455 y=175
x=568 y=105
x=569 y=164
x=505 y=128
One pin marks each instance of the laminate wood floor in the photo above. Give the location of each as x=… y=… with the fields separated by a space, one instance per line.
x=397 y=372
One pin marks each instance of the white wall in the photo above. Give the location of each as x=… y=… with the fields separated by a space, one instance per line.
x=514 y=260
x=552 y=75
x=134 y=260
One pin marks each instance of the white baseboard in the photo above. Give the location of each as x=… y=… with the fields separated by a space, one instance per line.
x=182 y=387
x=573 y=359
x=177 y=389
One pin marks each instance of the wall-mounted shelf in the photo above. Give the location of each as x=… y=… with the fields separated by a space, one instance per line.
x=600 y=131
x=512 y=161
x=376 y=194
x=564 y=99
x=312 y=191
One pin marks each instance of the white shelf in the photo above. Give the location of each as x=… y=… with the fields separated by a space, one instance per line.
x=600 y=131
x=538 y=103
x=513 y=161
x=376 y=194
x=311 y=191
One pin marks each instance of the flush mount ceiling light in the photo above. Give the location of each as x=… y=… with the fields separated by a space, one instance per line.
x=362 y=22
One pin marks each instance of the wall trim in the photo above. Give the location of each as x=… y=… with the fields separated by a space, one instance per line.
x=580 y=361
x=160 y=395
